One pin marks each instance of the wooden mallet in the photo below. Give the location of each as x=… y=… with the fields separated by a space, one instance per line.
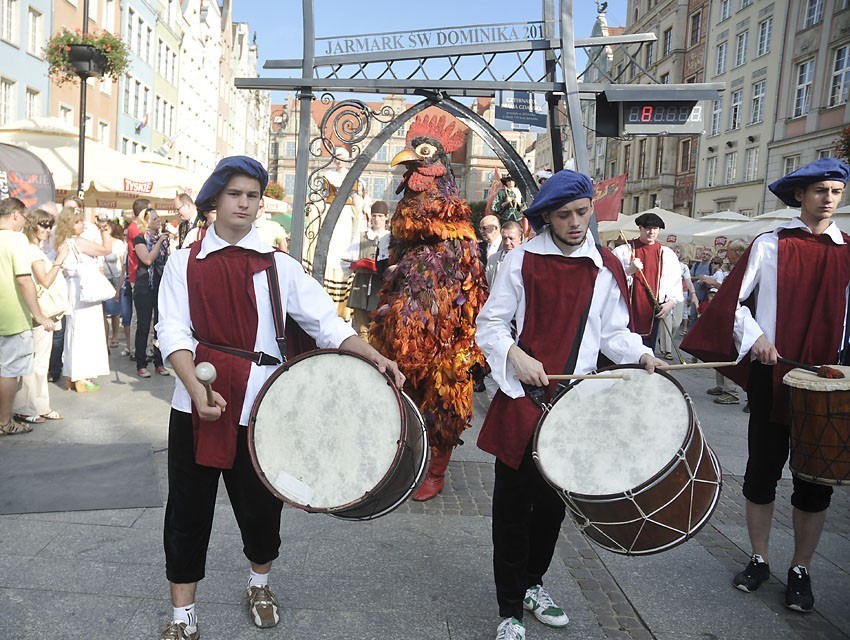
x=205 y=373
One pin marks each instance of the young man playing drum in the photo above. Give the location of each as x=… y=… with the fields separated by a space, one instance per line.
x=215 y=295
x=796 y=279
x=569 y=301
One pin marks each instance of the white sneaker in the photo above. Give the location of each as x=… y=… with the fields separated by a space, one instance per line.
x=511 y=629
x=538 y=601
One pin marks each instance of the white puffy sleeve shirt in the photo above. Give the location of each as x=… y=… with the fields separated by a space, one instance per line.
x=607 y=323
x=761 y=276
x=670 y=286
x=302 y=298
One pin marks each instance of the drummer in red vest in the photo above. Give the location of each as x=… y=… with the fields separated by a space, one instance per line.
x=787 y=296
x=215 y=306
x=655 y=277
x=569 y=300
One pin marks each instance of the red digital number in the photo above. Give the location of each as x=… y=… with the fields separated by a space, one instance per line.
x=646 y=113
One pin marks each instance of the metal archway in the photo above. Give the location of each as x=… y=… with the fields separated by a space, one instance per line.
x=491 y=136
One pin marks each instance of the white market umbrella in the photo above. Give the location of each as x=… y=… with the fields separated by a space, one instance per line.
x=113 y=180
x=609 y=230
x=727 y=216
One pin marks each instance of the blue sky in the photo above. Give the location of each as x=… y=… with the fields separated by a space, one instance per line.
x=279 y=29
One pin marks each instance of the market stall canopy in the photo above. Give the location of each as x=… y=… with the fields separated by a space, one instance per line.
x=727 y=215
x=24 y=176
x=609 y=230
x=113 y=180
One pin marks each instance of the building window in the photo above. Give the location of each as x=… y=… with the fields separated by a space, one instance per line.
x=7 y=100
x=765 y=31
x=840 y=76
x=103 y=132
x=642 y=158
x=289 y=183
x=653 y=200
x=627 y=158
x=789 y=164
x=109 y=15
x=711 y=172
x=751 y=164
x=746 y=3
x=131 y=22
x=34 y=36
x=127 y=100
x=665 y=79
x=720 y=60
x=379 y=188
x=716 y=114
x=668 y=41
x=725 y=9
x=289 y=149
x=8 y=19
x=650 y=54
x=814 y=13
x=735 y=109
x=685 y=155
x=696 y=28
x=825 y=153
x=66 y=114
x=741 y=42
x=731 y=167
x=803 y=93
x=757 y=111
x=659 y=155
x=33 y=104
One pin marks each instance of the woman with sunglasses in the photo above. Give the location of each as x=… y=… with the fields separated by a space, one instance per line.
x=32 y=402
x=85 y=337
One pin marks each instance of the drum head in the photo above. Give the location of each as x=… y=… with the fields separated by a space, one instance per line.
x=326 y=430
x=605 y=437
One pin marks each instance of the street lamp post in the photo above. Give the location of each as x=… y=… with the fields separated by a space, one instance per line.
x=84 y=75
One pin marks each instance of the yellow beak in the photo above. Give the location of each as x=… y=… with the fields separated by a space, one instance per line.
x=405 y=155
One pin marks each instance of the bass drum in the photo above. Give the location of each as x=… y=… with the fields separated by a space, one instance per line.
x=329 y=433
x=629 y=459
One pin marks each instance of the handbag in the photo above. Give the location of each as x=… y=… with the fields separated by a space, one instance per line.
x=53 y=300
x=94 y=286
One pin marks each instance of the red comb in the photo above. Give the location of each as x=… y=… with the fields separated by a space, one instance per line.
x=435 y=127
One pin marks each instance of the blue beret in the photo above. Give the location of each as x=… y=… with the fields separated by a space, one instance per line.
x=225 y=170
x=817 y=171
x=562 y=188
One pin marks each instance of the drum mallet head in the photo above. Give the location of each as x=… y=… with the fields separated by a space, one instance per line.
x=205 y=373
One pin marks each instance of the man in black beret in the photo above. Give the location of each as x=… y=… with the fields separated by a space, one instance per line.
x=655 y=278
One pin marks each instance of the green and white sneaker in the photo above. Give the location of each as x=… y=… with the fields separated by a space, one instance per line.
x=511 y=629
x=538 y=601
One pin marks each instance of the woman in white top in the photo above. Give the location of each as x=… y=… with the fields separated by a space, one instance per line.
x=32 y=402
x=113 y=268
x=85 y=338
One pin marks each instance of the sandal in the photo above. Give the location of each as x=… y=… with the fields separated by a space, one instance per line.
x=28 y=419
x=13 y=428
x=113 y=345
x=52 y=415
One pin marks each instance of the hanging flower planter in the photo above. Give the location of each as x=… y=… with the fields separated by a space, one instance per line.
x=86 y=60
x=72 y=55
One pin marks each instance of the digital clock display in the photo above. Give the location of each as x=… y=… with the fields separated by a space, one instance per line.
x=661 y=113
x=672 y=117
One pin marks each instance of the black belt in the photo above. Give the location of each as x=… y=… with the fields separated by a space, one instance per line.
x=257 y=357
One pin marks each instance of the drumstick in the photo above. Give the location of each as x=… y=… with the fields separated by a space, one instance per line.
x=205 y=373
x=695 y=365
x=590 y=376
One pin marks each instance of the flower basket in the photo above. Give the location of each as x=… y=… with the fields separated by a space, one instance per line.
x=72 y=55
x=86 y=60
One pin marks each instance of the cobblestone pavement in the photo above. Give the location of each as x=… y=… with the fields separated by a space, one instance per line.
x=469 y=492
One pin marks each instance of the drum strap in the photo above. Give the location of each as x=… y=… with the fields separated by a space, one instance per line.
x=538 y=394
x=259 y=357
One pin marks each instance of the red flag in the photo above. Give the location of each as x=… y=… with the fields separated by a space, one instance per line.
x=607 y=196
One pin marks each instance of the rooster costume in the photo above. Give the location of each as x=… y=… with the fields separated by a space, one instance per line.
x=432 y=292
x=568 y=308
